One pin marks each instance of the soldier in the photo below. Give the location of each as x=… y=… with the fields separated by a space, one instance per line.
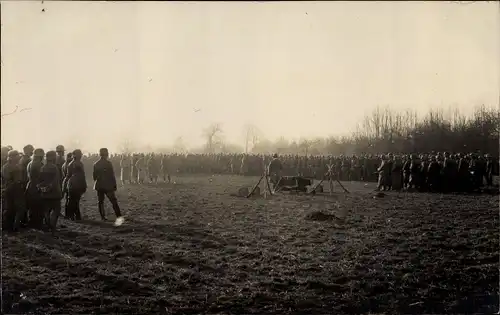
x=51 y=190
x=433 y=175
x=76 y=185
x=135 y=172
x=140 y=165
x=274 y=170
x=12 y=188
x=5 y=153
x=33 y=196
x=397 y=174
x=105 y=185
x=153 y=169
x=383 y=174
x=24 y=161
x=64 y=168
x=125 y=169
x=164 y=166
x=60 y=160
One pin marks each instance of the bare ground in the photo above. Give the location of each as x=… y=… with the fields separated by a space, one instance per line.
x=191 y=248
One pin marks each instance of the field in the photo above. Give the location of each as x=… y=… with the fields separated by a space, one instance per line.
x=191 y=248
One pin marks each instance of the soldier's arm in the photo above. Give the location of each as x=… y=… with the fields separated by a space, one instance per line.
x=95 y=172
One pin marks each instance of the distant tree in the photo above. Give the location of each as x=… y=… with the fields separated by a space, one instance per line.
x=212 y=135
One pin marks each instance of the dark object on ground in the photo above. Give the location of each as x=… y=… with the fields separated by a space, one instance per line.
x=293 y=183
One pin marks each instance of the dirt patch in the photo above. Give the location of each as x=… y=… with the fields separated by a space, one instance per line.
x=191 y=248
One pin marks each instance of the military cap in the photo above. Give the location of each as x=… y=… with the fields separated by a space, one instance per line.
x=28 y=148
x=103 y=152
x=39 y=152
x=59 y=148
x=12 y=154
x=51 y=155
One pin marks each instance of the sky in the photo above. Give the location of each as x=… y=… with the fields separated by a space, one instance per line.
x=98 y=73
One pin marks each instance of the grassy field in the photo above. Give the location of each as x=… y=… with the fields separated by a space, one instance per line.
x=191 y=248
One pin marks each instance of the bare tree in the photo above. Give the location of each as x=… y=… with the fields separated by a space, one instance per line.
x=212 y=135
x=252 y=136
x=179 y=145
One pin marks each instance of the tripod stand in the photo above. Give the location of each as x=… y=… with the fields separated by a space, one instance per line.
x=330 y=174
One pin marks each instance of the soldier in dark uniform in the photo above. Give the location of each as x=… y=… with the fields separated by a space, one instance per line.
x=60 y=160
x=76 y=185
x=33 y=196
x=105 y=185
x=4 y=155
x=64 y=169
x=24 y=161
x=12 y=188
x=153 y=169
x=384 y=174
x=275 y=167
x=164 y=166
x=433 y=175
x=51 y=190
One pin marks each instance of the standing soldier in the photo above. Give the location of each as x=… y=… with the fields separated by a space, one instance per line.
x=12 y=188
x=60 y=160
x=105 y=185
x=76 y=185
x=384 y=174
x=24 y=161
x=125 y=169
x=33 y=197
x=64 y=168
x=153 y=169
x=135 y=172
x=141 y=169
x=164 y=166
x=5 y=154
x=51 y=190
x=274 y=170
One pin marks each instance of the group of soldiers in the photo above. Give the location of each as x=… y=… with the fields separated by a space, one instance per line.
x=435 y=172
x=35 y=182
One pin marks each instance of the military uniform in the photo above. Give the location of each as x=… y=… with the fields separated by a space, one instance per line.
x=13 y=192
x=33 y=196
x=51 y=190
x=105 y=184
x=76 y=185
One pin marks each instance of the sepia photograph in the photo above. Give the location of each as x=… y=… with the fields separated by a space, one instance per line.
x=272 y=157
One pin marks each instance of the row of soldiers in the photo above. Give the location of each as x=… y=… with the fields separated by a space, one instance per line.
x=35 y=182
x=424 y=172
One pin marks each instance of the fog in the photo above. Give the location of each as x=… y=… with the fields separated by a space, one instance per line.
x=103 y=73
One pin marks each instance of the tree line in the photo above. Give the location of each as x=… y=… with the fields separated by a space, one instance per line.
x=383 y=130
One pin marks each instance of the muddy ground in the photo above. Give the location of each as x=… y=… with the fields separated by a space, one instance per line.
x=191 y=248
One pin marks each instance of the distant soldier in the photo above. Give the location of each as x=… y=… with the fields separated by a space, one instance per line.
x=165 y=168
x=384 y=174
x=64 y=168
x=51 y=190
x=33 y=196
x=135 y=172
x=125 y=169
x=153 y=169
x=274 y=170
x=60 y=160
x=13 y=192
x=397 y=174
x=76 y=185
x=105 y=185
x=140 y=165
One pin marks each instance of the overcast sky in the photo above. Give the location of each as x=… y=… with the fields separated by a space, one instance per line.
x=102 y=71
